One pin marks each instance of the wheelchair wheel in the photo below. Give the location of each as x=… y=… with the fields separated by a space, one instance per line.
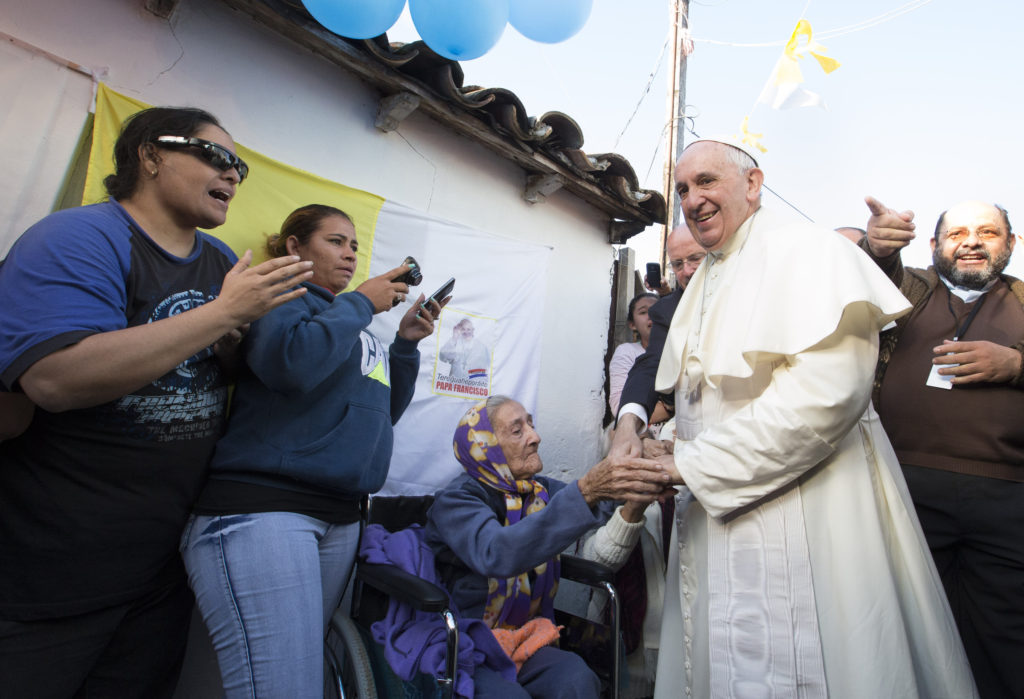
x=348 y=674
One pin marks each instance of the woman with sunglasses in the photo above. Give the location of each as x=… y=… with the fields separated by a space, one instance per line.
x=271 y=546
x=116 y=320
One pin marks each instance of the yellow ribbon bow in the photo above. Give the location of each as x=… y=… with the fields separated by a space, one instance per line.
x=751 y=139
x=789 y=69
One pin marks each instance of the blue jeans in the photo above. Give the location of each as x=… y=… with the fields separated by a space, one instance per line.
x=266 y=585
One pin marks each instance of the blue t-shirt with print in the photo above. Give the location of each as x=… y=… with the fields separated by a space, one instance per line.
x=92 y=501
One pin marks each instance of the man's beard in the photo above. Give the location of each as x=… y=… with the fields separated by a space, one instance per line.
x=972 y=278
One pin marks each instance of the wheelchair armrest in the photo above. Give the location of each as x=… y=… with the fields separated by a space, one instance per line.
x=415 y=591
x=583 y=571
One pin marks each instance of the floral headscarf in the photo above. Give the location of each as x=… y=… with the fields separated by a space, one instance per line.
x=511 y=602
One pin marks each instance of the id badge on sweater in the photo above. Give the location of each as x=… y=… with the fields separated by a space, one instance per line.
x=937 y=380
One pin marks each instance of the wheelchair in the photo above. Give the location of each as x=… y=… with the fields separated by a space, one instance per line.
x=355 y=666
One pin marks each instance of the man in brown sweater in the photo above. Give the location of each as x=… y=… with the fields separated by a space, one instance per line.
x=949 y=388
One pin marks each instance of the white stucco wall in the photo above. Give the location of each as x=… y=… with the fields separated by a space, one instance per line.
x=279 y=98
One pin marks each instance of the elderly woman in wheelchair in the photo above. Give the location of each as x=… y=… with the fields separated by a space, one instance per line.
x=496 y=531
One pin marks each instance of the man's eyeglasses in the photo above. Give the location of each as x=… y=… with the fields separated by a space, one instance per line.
x=691 y=261
x=216 y=155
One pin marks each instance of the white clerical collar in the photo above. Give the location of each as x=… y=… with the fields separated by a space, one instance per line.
x=737 y=240
x=967 y=295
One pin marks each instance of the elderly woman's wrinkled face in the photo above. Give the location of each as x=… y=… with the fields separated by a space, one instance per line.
x=513 y=427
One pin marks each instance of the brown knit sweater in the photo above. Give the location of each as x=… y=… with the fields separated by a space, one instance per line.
x=914 y=415
x=917 y=285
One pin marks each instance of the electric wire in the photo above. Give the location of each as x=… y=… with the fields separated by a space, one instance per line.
x=830 y=33
x=646 y=91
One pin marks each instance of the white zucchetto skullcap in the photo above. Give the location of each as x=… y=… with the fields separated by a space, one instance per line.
x=729 y=141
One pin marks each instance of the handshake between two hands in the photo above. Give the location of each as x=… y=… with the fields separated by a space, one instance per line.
x=635 y=472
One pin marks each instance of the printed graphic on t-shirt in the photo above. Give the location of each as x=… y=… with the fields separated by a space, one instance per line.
x=187 y=402
x=375 y=359
x=173 y=417
x=187 y=376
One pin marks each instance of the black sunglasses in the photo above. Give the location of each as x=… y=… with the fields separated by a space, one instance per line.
x=216 y=155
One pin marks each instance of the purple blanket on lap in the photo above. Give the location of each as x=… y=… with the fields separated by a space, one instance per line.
x=415 y=641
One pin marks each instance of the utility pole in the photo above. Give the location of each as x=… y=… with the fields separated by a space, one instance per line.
x=679 y=14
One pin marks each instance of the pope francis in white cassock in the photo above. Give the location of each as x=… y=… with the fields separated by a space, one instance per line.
x=798 y=568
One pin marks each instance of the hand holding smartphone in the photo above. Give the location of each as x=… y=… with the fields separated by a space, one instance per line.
x=439 y=295
x=653 y=276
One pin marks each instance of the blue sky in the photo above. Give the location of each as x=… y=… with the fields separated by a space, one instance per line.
x=923 y=112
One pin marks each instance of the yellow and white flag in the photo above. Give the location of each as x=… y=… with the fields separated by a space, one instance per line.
x=783 y=91
x=271 y=192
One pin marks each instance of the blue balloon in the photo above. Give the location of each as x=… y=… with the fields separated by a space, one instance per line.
x=549 y=21
x=356 y=19
x=460 y=29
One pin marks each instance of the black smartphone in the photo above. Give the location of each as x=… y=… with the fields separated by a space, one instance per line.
x=438 y=296
x=414 y=276
x=654 y=275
